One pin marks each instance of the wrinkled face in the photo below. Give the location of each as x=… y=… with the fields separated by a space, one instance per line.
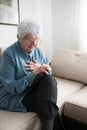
x=29 y=42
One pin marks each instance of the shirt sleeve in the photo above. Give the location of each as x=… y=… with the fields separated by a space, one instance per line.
x=7 y=75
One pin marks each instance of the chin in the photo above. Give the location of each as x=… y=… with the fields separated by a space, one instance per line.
x=30 y=50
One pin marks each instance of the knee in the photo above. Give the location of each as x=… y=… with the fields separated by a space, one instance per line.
x=52 y=86
x=53 y=83
x=47 y=87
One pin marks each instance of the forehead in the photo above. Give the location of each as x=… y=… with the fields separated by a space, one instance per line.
x=30 y=36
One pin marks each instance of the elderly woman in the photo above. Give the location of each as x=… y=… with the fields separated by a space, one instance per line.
x=26 y=82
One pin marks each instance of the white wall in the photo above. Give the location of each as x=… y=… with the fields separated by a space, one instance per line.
x=65 y=24
x=7 y=35
x=61 y=23
x=31 y=9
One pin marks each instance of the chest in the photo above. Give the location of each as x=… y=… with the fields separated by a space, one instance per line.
x=20 y=69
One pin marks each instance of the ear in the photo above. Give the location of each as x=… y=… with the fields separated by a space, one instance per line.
x=18 y=37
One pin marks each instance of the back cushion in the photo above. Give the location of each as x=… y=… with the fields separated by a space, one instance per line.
x=1 y=51
x=70 y=64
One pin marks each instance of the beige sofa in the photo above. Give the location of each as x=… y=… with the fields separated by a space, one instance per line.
x=69 y=68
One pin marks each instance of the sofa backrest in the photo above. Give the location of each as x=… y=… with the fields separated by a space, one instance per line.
x=1 y=51
x=70 y=64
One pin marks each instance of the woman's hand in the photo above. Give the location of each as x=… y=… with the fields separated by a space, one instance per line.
x=37 y=68
x=45 y=68
x=32 y=65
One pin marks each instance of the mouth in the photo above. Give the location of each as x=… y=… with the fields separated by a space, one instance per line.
x=31 y=47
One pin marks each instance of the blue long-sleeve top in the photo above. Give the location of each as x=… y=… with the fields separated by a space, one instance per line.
x=15 y=80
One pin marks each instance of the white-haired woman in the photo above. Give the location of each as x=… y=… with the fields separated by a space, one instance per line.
x=26 y=82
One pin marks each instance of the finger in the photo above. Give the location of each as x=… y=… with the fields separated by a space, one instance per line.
x=48 y=68
x=35 y=61
x=28 y=66
x=31 y=69
x=45 y=71
x=28 y=62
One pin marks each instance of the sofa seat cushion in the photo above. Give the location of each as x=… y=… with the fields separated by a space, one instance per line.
x=18 y=121
x=76 y=106
x=65 y=89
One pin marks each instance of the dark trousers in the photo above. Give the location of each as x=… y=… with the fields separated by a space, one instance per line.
x=42 y=100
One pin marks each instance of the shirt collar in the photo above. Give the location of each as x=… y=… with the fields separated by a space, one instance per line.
x=30 y=54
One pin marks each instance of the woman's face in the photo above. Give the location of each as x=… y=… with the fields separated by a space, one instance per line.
x=29 y=42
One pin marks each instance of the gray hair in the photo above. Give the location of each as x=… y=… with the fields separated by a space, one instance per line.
x=29 y=27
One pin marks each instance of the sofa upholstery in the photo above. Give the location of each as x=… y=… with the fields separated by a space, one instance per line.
x=18 y=121
x=69 y=69
x=76 y=106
